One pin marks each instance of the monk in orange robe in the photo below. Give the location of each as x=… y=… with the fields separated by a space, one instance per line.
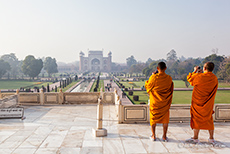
x=203 y=96
x=160 y=89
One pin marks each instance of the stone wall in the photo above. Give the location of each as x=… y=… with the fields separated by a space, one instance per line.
x=64 y=98
x=5 y=95
x=10 y=101
x=178 y=112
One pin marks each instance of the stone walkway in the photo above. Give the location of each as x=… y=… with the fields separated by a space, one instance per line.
x=67 y=130
x=124 y=99
x=90 y=85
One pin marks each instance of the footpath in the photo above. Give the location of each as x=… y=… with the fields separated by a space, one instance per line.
x=125 y=100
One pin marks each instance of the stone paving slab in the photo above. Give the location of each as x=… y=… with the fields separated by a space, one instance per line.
x=68 y=130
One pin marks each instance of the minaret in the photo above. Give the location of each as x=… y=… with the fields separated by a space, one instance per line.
x=109 y=60
x=81 y=55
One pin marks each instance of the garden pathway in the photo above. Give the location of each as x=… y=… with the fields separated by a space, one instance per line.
x=125 y=100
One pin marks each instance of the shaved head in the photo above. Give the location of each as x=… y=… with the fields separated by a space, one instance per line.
x=161 y=65
x=209 y=66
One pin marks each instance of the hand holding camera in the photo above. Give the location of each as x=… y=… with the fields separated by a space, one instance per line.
x=197 y=69
x=155 y=72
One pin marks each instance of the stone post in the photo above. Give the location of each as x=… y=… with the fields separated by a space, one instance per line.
x=61 y=97
x=101 y=94
x=99 y=131
x=17 y=96
x=99 y=114
x=17 y=92
x=0 y=94
x=120 y=113
x=115 y=90
x=42 y=97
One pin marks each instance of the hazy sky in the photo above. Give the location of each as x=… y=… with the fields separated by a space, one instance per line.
x=143 y=28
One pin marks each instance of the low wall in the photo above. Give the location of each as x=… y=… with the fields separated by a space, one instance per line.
x=79 y=97
x=178 y=113
x=29 y=98
x=56 y=98
x=10 y=101
x=108 y=97
x=5 y=95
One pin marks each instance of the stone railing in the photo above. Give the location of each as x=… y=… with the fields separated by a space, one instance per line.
x=130 y=113
x=64 y=98
x=178 y=112
x=10 y=101
x=7 y=94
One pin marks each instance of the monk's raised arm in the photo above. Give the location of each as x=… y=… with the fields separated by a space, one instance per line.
x=191 y=77
x=150 y=83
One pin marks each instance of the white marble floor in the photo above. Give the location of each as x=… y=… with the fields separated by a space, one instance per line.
x=68 y=130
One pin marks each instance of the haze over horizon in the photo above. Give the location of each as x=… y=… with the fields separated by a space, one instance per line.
x=144 y=29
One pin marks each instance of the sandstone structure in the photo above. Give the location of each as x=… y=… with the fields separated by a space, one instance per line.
x=95 y=62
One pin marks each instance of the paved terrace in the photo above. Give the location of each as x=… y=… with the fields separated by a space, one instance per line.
x=66 y=129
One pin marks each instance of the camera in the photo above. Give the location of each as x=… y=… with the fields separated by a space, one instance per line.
x=156 y=71
x=199 y=70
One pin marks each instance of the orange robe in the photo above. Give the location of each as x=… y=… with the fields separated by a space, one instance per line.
x=203 y=96
x=160 y=89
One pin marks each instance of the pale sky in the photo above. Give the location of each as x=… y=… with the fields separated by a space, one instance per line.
x=142 y=28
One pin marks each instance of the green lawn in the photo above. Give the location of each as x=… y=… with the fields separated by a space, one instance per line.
x=135 y=84
x=184 y=97
x=177 y=84
x=223 y=85
x=143 y=96
x=67 y=87
x=139 y=84
x=101 y=85
x=17 y=84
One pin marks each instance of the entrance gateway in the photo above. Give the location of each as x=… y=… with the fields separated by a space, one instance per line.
x=95 y=62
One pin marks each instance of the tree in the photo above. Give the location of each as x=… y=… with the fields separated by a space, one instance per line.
x=184 y=78
x=137 y=68
x=4 y=67
x=32 y=66
x=130 y=61
x=147 y=71
x=171 y=56
x=50 y=65
x=149 y=61
x=14 y=63
x=153 y=65
x=227 y=67
x=224 y=70
x=173 y=68
x=182 y=58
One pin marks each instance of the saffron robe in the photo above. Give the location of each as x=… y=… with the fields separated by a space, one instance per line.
x=203 y=97
x=160 y=89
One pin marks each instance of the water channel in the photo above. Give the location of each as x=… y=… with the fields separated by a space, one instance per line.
x=82 y=87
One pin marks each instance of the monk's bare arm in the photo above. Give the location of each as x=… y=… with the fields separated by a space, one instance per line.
x=191 y=77
x=150 y=83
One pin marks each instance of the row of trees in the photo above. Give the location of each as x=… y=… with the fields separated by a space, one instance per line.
x=178 y=68
x=30 y=66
